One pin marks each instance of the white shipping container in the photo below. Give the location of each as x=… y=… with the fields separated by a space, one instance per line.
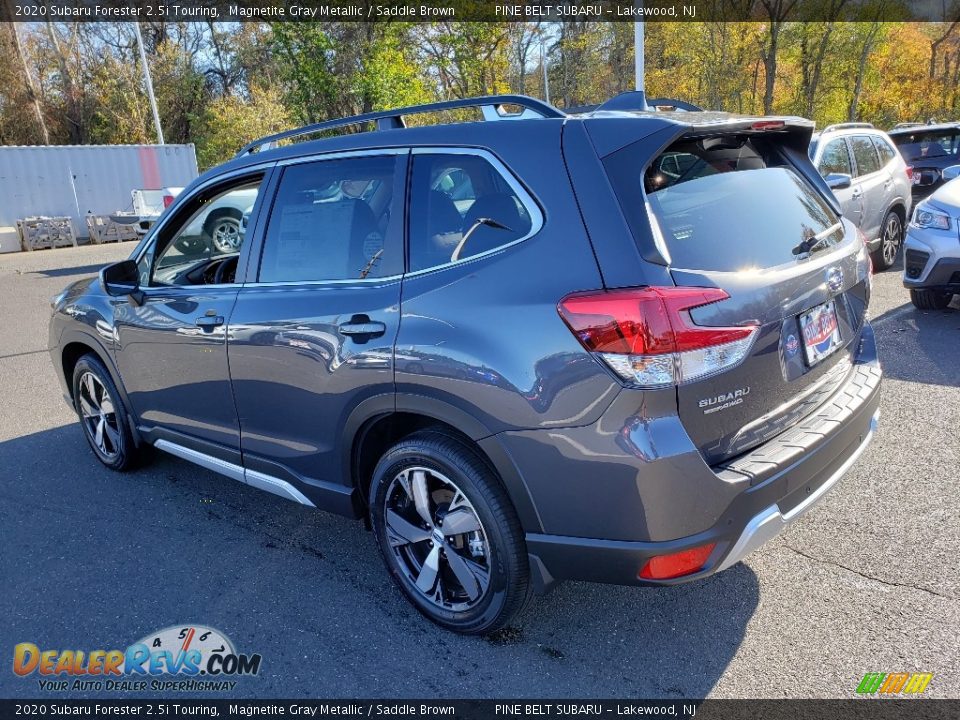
x=73 y=180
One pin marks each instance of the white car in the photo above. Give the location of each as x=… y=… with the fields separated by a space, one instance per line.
x=220 y=225
x=931 y=262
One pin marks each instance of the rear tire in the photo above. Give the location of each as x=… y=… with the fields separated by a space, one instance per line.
x=103 y=417
x=472 y=582
x=891 y=238
x=930 y=299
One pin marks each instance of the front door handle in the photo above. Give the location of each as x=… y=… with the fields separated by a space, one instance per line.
x=361 y=325
x=208 y=322
x=857 y=193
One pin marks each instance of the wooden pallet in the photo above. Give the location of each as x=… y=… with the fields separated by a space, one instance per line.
x=37 y=233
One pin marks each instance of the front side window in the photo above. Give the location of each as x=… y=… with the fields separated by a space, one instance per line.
x=835 y=158
x=461 y=206
x=334 y=220
x=204 y=247
x=736 y=204
x=865 y=154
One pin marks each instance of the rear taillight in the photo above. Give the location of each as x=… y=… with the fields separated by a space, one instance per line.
x=647 y=337
x=167 y=200
x=909 y=173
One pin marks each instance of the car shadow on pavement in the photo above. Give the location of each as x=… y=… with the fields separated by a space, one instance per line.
x=920 y=345
x=82 y=270
x=100 y=559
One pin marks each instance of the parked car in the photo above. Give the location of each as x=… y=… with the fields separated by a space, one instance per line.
x=653 y=327
x=871 y=181
x=929 y=149
x=931 y=269
x=218 y=231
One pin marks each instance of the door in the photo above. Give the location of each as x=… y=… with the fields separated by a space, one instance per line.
x=314 y=335
x=171 y=343
x=836 y=159
x=873 y=183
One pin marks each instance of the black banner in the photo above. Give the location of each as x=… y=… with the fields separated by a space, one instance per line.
x=868 y=709
x=473 y=10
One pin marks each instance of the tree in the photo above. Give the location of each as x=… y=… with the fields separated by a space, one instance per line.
x=230 y=122
x=33 y=96
x=777 y=12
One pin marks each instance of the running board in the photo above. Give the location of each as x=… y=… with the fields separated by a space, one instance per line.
x=235 y=472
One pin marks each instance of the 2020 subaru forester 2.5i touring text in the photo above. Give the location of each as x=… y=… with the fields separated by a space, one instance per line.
x=619 y=346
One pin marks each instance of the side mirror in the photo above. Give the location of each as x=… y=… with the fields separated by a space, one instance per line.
x=950 y=173
x=122 y=278
x=838 y=181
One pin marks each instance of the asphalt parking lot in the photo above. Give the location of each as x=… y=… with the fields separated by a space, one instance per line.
x=868 y=581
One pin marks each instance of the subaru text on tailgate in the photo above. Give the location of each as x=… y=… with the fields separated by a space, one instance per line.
x=621 y=346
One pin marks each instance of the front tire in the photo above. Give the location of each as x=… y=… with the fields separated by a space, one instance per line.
x=449 y=535
x=924 y=299
x=891 y=238
x=103 y=416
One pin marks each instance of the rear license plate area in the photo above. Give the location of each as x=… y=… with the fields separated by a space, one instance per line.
x=820 y=332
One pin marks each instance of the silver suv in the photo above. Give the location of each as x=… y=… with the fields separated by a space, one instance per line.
x=872 y=182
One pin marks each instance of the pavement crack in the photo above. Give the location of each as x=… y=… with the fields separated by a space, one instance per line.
x=889 y=583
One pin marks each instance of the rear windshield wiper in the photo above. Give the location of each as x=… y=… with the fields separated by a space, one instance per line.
x=808 y=245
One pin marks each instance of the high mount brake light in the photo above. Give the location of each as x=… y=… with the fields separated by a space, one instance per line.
x=647 y=337
x=768 y=125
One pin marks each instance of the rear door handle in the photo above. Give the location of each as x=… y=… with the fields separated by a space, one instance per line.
x=208 y=322
x=363 y=326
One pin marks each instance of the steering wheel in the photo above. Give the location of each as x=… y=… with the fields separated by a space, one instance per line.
x=228 y=265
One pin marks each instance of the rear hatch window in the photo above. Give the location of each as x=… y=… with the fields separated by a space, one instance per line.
x=938 y=145
x=722 y=205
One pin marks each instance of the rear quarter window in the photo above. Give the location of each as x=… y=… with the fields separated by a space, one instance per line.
x=886 y=152
x=733 y=208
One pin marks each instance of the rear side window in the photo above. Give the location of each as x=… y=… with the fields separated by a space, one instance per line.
x=835 y=158
x=461 y=206
x=334 y=220
x=886 y=152
x=865 y=154
x=734 y=207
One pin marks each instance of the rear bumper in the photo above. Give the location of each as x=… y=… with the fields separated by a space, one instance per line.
x=774 y=485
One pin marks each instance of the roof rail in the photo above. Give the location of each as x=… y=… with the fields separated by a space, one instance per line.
x=847 y=126
x=907 y=125
x=491 y=106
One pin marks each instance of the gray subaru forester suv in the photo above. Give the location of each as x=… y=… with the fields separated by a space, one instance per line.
x=872 y=182
x=621 y=346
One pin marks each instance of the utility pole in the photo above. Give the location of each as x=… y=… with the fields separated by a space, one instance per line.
x=149 y=83
x=546 y=79
x=638 y=52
